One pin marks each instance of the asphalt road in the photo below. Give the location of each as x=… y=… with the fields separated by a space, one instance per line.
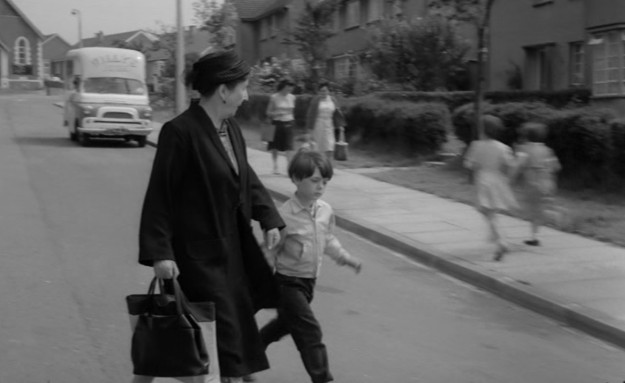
x=68 y=244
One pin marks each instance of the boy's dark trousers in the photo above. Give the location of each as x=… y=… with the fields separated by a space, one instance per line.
x=295 y=317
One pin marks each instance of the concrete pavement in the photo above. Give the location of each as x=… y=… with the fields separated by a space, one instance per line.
x=575 y=280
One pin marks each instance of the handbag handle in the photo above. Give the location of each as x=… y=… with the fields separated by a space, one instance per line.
x=182 y=304
x=341 y=134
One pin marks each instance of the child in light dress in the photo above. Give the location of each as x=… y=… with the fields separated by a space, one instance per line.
x=539 y=167
x=492 y=161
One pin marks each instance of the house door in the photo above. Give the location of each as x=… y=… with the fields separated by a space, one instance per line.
x=538 y=71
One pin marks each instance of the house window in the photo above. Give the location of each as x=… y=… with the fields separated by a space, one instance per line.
x=608 y=64
x=576 y=64
x=352 y=14
x=22 y=51
x=375 y=10
x=22 y=65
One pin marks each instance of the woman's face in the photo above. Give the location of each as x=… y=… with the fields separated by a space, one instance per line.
x=234 y=98
x=324 y=91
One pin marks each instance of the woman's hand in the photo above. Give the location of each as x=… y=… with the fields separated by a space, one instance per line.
x=272 y=238
x=166 y=269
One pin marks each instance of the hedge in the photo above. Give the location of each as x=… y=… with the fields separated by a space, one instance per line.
x=512 y=114
x=418 y=128
x=582 y=141
x=617 y=128
x=588 y=142
x=558 y=99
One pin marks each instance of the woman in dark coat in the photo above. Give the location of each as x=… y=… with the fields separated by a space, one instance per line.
x=195 y=223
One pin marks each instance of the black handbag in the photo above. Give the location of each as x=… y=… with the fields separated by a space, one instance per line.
x=167 y=339
x=340 y=147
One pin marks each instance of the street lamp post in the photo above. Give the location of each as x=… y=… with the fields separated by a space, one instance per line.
x=76 y=13
x=180 y=90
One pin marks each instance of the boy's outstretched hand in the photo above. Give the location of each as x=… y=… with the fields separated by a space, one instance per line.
x=355 y=264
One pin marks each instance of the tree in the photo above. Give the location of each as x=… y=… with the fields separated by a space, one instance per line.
x=219 y=19
x=311 y=33
x=425 y=54
x=476 y=12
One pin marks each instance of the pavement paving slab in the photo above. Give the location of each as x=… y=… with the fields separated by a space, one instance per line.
x=576 y=280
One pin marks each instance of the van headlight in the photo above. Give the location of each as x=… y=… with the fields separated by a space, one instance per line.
x=87 y=110
x=146 y=113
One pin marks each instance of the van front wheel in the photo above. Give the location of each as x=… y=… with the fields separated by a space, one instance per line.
x=83 y=139
x=141 y=141
x=72 y=134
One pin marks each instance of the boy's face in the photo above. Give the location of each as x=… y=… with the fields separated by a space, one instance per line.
x=311 y=188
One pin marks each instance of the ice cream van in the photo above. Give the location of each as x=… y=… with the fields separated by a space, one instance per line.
x=106 y=95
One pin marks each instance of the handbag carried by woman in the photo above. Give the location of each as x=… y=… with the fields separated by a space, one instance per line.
x=172 y=337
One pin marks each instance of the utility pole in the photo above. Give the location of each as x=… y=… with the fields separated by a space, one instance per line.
x=180 y=87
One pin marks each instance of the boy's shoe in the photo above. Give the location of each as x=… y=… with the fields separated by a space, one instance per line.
x=499 y=253
x=249 y=378
x=532 y=242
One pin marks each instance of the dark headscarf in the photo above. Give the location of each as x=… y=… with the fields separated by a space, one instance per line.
x=215 y=68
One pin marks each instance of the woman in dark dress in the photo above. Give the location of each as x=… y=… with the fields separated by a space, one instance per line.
x=196 y=218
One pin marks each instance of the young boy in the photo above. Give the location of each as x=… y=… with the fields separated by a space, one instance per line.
x=307 y=236
x=539 y=167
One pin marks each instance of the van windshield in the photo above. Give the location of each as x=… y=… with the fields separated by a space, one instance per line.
x=113 y=85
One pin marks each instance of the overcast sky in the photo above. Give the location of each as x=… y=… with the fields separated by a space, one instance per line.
x=108 y=16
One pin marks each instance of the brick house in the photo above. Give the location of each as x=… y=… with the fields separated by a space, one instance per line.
x=54 y=50
x=21 y=52
x=560 y=44
x=264 y=24
x=535 y=44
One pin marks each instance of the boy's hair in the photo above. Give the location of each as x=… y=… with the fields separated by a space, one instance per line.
x=304 y=163
x=535 y=131
x=493 y=126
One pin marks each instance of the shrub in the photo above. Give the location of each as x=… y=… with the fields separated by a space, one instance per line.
x=254 y=108
x=512 y=114
x=617 y=128
x=420 y=128
x=557 y=99
x=417 y=128
x=586 y=141
x=582 y=140
x=451 y=99
x=421 y=53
